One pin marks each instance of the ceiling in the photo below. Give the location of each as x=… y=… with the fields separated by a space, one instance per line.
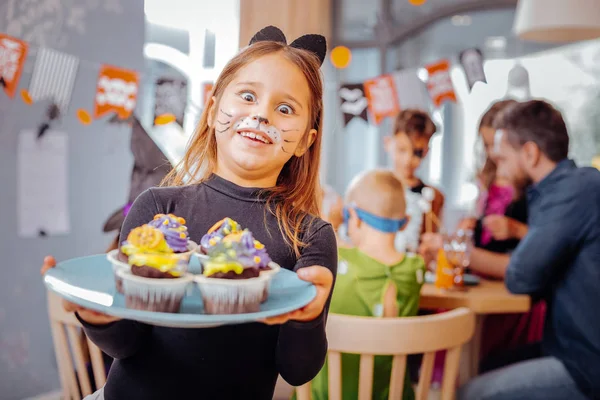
x=367 y=22
x=441 y=26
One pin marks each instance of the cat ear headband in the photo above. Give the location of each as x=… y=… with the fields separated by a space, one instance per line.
x=316 y=44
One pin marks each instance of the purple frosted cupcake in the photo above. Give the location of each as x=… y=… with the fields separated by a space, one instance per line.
x=174 y=230
x=217 y=232
x=231 y=280
x=254 y=253
x=158 y=256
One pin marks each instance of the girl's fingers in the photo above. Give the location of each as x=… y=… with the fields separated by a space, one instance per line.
x=317 y=275
x=49 y=262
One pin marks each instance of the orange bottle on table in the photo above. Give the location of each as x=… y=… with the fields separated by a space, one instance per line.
x=444 y=275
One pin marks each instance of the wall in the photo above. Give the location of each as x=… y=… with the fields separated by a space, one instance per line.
x=108 y=31
x=293 y=17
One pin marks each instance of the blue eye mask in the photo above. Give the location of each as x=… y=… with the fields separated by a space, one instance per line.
x=382 y=224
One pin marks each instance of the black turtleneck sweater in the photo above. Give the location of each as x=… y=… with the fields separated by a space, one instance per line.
x=227 y=362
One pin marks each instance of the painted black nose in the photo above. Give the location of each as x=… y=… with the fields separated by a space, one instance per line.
x=260 y=119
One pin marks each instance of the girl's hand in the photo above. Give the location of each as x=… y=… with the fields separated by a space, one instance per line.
x=430 y=244
x=322 y=278
x=89 y=316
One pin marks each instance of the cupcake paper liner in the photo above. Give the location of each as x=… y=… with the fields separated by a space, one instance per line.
x=148 y=294
x=270 y=273
x=232 y=296
x=116 y=265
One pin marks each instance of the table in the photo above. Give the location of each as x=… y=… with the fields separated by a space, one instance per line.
x=489 y=297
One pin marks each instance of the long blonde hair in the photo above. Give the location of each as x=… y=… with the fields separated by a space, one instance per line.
x=295 y=195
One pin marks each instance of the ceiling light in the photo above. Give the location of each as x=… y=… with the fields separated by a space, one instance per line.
x=557 y=21
x=495 y=42
x=461 y=20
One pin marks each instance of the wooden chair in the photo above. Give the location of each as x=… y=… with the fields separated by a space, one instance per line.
x=77 y=348
x=399 y=337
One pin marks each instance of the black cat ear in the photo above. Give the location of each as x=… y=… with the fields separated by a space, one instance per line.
x=316 y=44
x=269 y=34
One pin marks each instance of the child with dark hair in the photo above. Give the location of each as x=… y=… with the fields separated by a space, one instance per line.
x=407 y=147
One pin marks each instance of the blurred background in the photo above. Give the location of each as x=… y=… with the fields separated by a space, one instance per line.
x=57 y=59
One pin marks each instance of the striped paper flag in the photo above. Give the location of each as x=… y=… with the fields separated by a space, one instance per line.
x=53 y=77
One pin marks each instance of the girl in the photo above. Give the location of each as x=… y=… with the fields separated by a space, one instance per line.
x=255 y=158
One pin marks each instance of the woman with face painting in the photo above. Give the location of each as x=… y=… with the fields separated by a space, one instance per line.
x=255 y=158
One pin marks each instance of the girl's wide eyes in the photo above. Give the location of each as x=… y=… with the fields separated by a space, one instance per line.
x=251 y=98
x=248 y=96
x=285 y=109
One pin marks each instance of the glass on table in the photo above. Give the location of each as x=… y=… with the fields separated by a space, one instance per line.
x=457 y=248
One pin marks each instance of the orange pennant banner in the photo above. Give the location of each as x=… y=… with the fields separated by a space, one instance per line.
x=382 y=97
x=116 y=91
x=13 y=53
x=439 y=83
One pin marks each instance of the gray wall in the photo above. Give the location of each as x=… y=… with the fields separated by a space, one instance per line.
x=98 y=31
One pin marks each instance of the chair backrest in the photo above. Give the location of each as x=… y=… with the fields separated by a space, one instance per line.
x=73 y=347
x=398 y=337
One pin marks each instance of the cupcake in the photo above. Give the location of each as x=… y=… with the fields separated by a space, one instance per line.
x=231 y=281
x=254 y=253
x=158 y=256
x=163 y=241
x=217 y=232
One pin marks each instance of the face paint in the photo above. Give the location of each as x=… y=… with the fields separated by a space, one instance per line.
x=259 y=124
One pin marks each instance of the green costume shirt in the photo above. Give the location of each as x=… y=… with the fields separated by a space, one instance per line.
x=360 y=286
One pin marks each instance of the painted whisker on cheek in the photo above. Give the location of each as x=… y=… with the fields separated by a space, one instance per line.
x=229 y=115
x=225 y=124
x=289 y=141
x=283 y=149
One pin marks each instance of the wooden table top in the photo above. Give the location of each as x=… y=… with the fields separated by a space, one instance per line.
x=489 y=297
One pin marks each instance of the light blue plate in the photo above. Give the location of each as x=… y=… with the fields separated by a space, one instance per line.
x=89 y=282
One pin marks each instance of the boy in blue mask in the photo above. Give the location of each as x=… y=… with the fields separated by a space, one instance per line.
x=373 y=278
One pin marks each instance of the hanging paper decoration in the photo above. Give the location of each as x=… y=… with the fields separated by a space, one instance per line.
x=354 y=102
x=382 y=97
x=472 y=62
x=26 y=97
x=13 y=53
x=53 y=77
x=164 y=119
x=341 y=57
x=117 y=120
x=84 y=117
x=439 y=83
x=170 y=98
x=411 y=91
x=116 y=92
